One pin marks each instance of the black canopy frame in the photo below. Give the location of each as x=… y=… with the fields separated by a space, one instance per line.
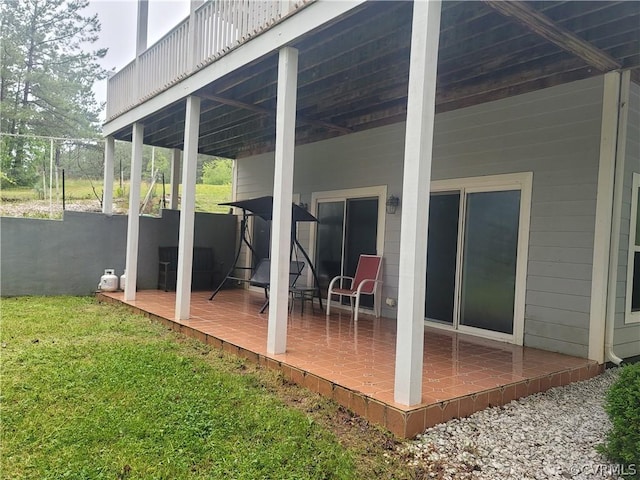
x=263 y=207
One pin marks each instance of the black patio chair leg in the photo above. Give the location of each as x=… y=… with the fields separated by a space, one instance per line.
x=266 y=303
x=264 y=307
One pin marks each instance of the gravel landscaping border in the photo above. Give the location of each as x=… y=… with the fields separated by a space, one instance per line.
x=550 y=435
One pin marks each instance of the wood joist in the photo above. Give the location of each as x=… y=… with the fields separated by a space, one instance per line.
x=353 y=72
x=545 y=27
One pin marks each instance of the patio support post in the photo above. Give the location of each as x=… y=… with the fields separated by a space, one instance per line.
x=415 y=202
x=107 y=188
x=133 y=226
x=142 y=22
x=175 y=175
x=142 y=26
x=193 y=37
x=282 y=193
x=187 y=212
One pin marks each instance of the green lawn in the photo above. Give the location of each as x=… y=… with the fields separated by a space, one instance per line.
x=75 y=189
x=93 y=391
x=207 y=196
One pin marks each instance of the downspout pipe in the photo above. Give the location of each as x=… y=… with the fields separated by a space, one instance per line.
x=618 y=192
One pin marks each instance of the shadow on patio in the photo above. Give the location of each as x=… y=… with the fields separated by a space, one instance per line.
x=353 y=363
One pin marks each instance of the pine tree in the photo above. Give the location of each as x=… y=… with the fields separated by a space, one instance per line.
x=46 y=77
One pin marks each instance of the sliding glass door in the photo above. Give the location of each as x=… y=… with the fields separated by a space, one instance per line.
x=489 y=260
x=329 y=241
x=472 y=259
x=346 y=229
x=442 y=256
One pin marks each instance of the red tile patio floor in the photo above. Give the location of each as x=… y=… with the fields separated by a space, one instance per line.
x=353 y=363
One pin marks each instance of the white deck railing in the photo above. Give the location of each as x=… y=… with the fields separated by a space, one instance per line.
x=214 y=29
x=165 y=62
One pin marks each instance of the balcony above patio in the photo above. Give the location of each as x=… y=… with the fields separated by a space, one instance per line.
x=213 y=30
x=354 y=64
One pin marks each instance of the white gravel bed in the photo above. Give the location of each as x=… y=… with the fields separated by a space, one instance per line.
x=550 y=435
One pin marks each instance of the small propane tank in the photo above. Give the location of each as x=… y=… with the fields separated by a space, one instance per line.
x=123 y=280
x=108 y=281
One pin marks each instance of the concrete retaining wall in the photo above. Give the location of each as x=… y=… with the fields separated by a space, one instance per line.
x=53 y=257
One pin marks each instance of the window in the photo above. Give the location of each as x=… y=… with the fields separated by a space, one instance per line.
x=633 y=265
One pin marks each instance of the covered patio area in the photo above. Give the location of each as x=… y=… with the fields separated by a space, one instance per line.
x=354 y=362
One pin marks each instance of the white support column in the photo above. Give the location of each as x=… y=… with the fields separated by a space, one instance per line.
x=175 y=178
x=192 y=53
x=107 y=187
x=415 y=201
x=50 y=178
x=282 y=193
x=187 y=211
x=141 y=42
x=133 y=227
x=142 y=26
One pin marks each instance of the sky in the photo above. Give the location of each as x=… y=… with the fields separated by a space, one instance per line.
x=118 y=33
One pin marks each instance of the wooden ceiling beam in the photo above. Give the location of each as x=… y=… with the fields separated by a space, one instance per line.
x=452 y=102
x=548 y=67
x=478 y=33
x=317 y=66
x=520 y=46
x=346 y=79
x=551 y=31
x=236 y=121
x=254 y=108
x=170 y=128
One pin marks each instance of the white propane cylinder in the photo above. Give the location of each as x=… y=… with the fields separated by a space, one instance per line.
x=123 y=280
x=108 y=281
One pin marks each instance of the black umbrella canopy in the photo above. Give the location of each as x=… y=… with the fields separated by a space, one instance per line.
x=263 y=208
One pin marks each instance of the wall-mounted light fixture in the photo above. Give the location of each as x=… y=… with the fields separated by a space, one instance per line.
x=304 y=206
x=392 y=204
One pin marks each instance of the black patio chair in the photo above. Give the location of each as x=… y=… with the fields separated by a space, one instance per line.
x=262 y=277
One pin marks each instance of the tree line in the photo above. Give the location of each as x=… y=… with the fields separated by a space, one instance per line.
x=47 y=71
